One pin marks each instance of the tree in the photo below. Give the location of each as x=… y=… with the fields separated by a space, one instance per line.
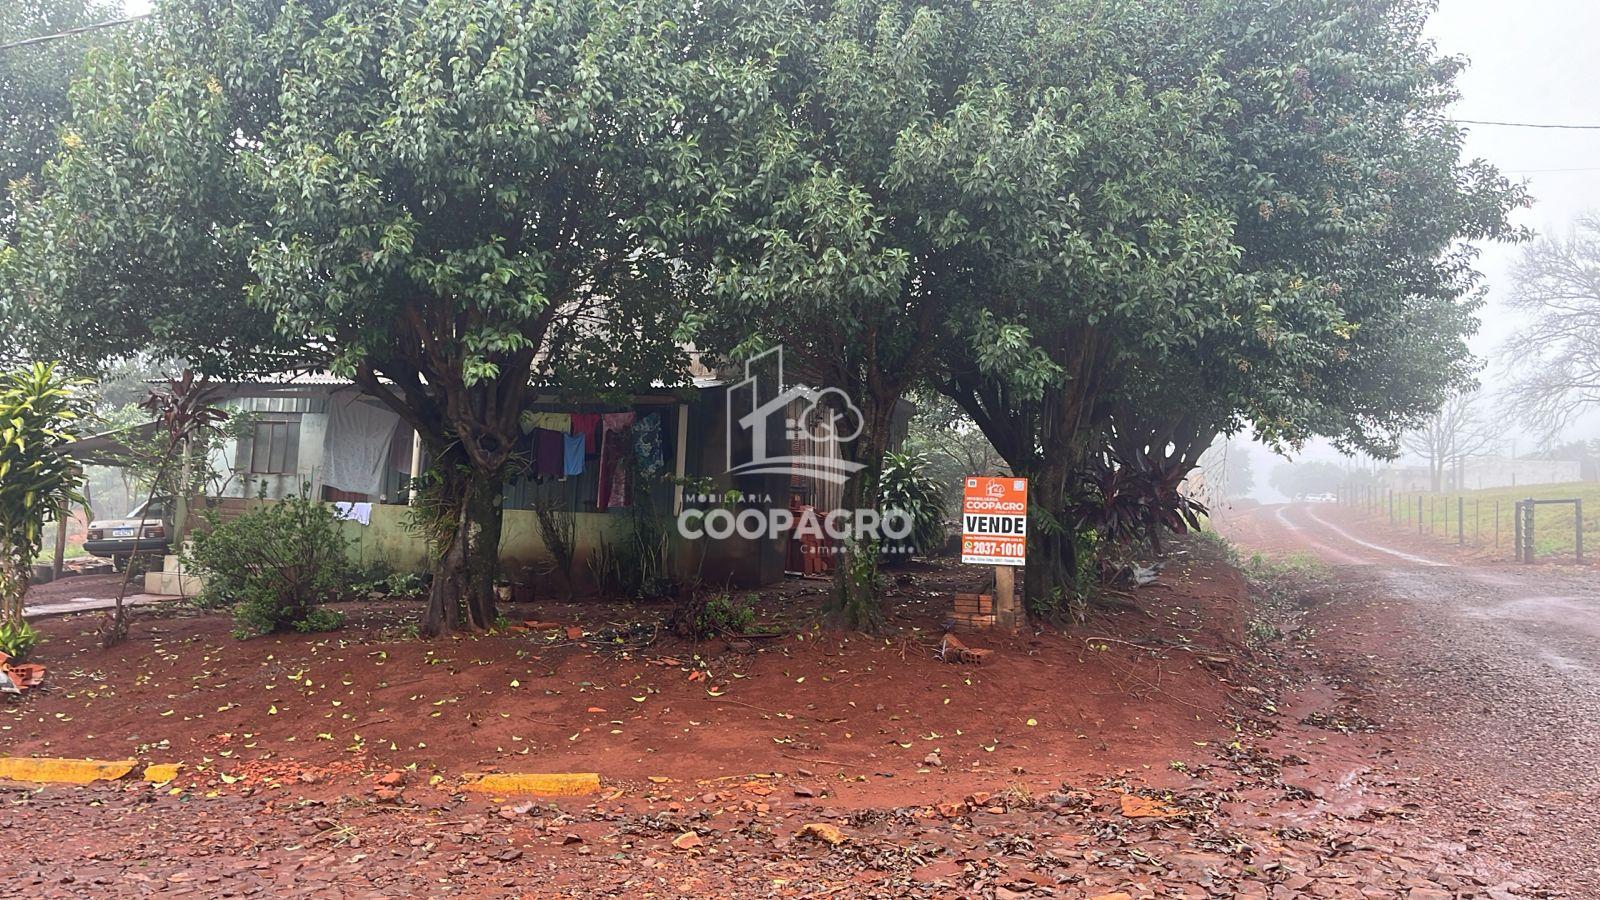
x=444 y=199
x=1456 y=433
x=137 y=243
x=833 y=222
x=1297 y=480
x=33 y=88
x=1228 y=470
x=1294 y=265
x=1557 y=356
x=38 y=483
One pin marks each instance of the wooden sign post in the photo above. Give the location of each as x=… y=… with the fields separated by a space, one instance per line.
x=994 y=532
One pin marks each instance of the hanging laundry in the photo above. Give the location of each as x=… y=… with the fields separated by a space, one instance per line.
x=552 y=421
x=647 y=444
x=547 y=453
x=614 y=446
x=588 y=425
x=572 y=446
x=353 y=512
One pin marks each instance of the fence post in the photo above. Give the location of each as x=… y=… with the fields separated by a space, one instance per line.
x=1527 y=530
x=1577 y=526
x=1419 y=514
x=1516 y=530
x=1461 y=521
x=1497 y=524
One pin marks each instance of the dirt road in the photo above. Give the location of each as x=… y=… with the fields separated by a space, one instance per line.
x=1483 y=683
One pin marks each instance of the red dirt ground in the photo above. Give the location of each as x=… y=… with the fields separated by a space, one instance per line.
x=1141 y=754
x=370 y=698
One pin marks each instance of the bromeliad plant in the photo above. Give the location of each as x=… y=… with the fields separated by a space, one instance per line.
x=38 y=483
x=905 y=486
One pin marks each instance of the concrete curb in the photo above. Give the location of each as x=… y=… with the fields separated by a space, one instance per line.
x=564 y=784
x=64 y=771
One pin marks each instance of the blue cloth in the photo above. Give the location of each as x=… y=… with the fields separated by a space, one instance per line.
x=572 y=453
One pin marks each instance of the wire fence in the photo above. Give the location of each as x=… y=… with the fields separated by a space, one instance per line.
x=1563 y=525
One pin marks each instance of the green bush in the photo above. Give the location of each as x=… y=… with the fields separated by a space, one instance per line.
x=723 y=614
x=906 y=486
x=274 y=565
x=17 y=640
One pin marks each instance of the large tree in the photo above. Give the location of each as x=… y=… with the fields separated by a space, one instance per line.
x=1336 y=297
x=1556 y=357
x=1459 y=431
x=34 y=78
x=441 y=198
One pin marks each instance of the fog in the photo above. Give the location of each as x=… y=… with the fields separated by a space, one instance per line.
x=1531 y=62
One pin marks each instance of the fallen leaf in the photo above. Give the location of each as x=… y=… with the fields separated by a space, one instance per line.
x=1136 y=807
x=821 y=831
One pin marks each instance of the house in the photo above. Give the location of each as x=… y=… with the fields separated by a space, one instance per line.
x=324 y=434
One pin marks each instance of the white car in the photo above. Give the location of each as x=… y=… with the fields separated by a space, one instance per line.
x=1321 y=498
x=114 y=539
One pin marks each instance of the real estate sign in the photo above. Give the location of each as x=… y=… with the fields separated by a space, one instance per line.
x=994 y=521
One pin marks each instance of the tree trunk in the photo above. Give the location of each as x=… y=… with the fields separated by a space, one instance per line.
x=463 y=576
x=857 y=594
x=1051 y=574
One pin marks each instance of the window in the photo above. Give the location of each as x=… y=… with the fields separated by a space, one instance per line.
x=274 y=449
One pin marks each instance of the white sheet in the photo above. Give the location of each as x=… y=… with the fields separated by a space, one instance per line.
x=359 y=437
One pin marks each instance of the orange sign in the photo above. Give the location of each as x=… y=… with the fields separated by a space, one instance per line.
x=994 y=521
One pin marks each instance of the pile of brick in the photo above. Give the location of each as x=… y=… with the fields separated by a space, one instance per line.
x=973 y=611
x=18 y=677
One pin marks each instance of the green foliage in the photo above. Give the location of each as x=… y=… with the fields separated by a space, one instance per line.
x=33 y=89
x=17 y=639
x=905 y=486
x=37 y=482
x=724 y=614
x=275 y=565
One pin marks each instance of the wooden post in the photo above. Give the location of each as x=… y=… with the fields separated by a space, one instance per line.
x=1419 y=514
x=1528 y=523
x=416 y=468
x=58 y=563
x=680 y=460
x=1516 y=530
x=1005 y=597
x=1577 y=526
x=1461 y=521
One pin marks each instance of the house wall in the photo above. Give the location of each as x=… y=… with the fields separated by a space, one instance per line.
x=386 y=540
x=313 y=443
x=735 y=562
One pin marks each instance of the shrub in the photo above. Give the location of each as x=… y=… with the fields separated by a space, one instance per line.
x=274 y=565
x=17 y=640
x=906 y=486
x=701 y=616
x=37 y=482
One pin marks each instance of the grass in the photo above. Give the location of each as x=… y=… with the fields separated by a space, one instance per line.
x=1553 y=532
x=48 y=554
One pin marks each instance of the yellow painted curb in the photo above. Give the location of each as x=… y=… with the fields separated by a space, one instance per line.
x=564 y=784
x=161 y=773
x=63 y=771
